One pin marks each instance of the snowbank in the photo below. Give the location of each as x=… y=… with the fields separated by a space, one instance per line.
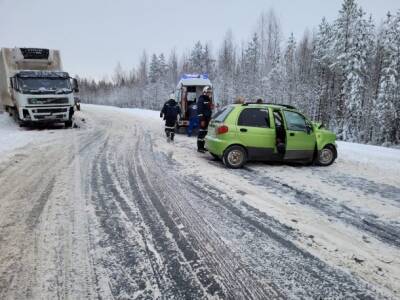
x=152 y=114
x=11 y=136
x=380 y=157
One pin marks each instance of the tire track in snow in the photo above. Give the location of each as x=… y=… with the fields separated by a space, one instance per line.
x=123 y=257
x=238 y=282
x=367 y=187
x=167 y=236
x=272 y=251
x=35 y=213
x=384 y=231
x=114 y=209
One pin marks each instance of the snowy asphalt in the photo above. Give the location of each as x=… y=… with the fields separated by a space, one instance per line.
x=111 y=211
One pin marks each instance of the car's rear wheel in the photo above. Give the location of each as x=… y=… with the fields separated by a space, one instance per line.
x=326 y=156
x=235 y=157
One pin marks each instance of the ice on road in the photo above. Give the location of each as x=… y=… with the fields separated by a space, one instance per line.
x=111 y=210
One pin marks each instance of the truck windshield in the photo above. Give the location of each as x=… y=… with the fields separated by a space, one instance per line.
x=44 y=85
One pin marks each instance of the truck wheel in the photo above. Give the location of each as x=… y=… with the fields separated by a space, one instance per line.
x=68 y=124
x=14 y=114
x=326 y=156
x=234 y=157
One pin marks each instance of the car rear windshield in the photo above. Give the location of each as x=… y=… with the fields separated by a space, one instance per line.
x=221 y=115
x=254 y=117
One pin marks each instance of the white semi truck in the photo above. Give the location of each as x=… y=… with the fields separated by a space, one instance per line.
x=33 y=87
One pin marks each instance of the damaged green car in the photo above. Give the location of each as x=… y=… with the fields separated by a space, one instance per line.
x=268 y=132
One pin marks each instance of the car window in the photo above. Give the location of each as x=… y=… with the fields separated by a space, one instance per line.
x=254 y=117
x=221 y=115
x=295 y=121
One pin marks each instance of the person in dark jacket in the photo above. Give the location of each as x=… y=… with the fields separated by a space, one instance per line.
x=204 y=111
x=170 y=113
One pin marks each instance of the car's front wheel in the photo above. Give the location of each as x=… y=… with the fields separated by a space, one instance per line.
x=326 y=156
x=235 y=157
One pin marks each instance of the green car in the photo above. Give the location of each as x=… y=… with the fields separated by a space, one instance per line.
x=268 y=132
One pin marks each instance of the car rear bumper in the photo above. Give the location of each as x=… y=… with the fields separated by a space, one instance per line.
x=215 y=145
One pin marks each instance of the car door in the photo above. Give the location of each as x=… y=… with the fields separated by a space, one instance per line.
x=254 y=132
x=300 y=139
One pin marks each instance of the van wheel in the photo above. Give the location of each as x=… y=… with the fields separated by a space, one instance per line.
x=326 y=156
x=235 y=157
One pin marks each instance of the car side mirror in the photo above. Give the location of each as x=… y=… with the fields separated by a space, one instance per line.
x=75 y=86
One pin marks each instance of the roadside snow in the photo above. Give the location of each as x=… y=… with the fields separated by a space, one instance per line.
x=12 y=137
x=380 y=157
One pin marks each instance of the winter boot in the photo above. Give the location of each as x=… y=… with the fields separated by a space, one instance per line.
x=200 y=147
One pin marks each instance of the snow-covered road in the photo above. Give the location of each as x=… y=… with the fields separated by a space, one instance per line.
x=110 y=210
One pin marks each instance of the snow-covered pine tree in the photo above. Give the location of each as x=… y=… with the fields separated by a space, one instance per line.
x=275 y=82
x=270 y=36
x=225 y=73
x=368 y=97
x=119 y=76
x=306 y=97
x=251 y=74
x=386 y=108
x=208 y=61
x=197 y=58
x=154 y=70
x=290 y=69
x=350 y=67
x=322 y=60
x=173 y=68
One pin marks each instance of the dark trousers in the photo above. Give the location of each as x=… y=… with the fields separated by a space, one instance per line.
x=202 y=133
x=170 y=128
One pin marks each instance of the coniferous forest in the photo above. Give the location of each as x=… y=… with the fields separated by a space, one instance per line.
x=345 y=73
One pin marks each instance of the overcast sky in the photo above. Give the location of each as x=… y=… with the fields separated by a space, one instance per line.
x=93 y=35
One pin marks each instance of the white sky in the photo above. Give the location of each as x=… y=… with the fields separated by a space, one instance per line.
x=94 y=35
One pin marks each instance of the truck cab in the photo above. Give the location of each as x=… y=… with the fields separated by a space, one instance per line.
x=189 y=89
x=33 y=87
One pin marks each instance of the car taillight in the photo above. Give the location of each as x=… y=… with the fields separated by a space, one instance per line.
x=222 y=129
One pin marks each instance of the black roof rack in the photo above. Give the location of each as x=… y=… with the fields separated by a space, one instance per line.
x=268 y=103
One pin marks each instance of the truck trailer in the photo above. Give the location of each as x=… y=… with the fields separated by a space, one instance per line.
x=33 y=87
x=188 y=90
